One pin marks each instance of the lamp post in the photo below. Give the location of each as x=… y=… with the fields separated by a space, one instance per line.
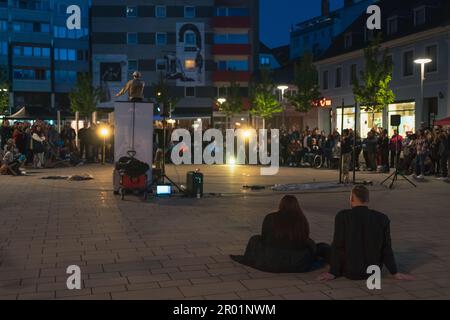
x=104 y=132
x=422 y=62
x=221 y=101
x=282 y=88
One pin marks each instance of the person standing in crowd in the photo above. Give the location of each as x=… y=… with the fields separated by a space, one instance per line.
x=361 y=239
x=5 y=133
x=395 y=148
x=83 y=135
x=443 y=152
x=346 y=149
x=371 y=145
x=383 y=149
x=68 y=135
x=37 y=145
x=93 y=142
x=422 y=151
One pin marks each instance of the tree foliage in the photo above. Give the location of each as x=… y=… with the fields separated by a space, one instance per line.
x=84 y=97
x=307 y=81
x=373 y=92
x=163 y=95
x=233 y=103
x=4 y=90
x=264 y=102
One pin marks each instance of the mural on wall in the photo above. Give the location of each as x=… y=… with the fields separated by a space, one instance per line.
x=110 y=73
x=186 y=65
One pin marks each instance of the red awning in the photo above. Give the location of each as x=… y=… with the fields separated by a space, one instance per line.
x=443 y=122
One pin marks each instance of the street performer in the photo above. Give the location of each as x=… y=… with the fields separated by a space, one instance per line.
x=134 y=88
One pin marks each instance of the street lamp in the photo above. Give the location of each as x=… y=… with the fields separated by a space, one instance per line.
x=104 y=132
x=422 y=62
x=282 y=88
x=221 y=101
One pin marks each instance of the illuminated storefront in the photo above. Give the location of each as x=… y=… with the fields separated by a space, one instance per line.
x=369 y=121
x=408 y=117
x=349 y=118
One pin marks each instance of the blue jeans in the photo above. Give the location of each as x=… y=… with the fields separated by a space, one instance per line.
x=420 y=164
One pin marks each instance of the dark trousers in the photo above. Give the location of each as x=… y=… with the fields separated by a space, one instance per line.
x=394 y=159
x=84 y=149
x=444 y=165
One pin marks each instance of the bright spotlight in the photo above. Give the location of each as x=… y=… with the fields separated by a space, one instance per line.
x=231 y=161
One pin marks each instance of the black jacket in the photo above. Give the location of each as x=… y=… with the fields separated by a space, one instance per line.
x=361 y=238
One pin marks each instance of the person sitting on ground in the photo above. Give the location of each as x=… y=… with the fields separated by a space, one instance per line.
x=361 y=239
x=10 y=164
x=284 y=244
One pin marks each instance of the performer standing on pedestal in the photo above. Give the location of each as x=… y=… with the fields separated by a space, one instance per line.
x=134 y=88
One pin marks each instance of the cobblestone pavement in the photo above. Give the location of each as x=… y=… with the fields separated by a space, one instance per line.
x=178 y=248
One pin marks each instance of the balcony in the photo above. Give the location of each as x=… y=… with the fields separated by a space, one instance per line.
x=232 y=22
x=232 y=50
x=228 y=76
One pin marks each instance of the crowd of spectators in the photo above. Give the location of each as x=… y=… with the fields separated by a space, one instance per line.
x=39 y=145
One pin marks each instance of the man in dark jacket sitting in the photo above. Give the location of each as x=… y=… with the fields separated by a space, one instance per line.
x=361 y=239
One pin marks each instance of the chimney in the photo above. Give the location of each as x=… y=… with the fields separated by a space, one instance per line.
x=325 y=8
x=348 y=3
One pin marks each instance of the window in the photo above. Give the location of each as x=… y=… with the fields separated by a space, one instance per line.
x=408 y=63
x=161 y=39
x=37 y=52
x=265 y=61
x=419 y=16
x=233 y=65
x=132 y=65
x=432 y=53
x=232 y=38
x=338 y=82
x=80 y=55
x=189 y=92
x=221 y=12
x=238 y=12
x=189 y=39
x=392 y=25
x=131 y=11
x=325 y=80
x=132 y=38
x=45 y=27
x=63 y=54
x=71 y=54
x=189 y=64
x=3 y=25
x=189 y=12
x=160 y=11
x=348 y=40
x=3 y=48
x=161 y=65
x=353 y=73
x=27 y=51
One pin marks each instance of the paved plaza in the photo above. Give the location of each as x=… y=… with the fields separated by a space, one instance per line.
x=179 y=248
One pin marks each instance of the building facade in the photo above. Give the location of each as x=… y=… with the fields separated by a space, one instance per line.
x=411 y=30
x=41 y=55
x=316 y=35
x=198 y=47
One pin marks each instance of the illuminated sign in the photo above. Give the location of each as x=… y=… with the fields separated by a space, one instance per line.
x=323 y=103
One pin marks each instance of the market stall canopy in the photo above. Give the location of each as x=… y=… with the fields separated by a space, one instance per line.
x=443 y=122
x=35 y=113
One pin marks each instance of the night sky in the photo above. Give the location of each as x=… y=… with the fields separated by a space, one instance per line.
x=278 y=15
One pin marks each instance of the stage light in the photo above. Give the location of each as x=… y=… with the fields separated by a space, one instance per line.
x=221 y=100
x=231 y=161
x=104 y=132
x=247 y=133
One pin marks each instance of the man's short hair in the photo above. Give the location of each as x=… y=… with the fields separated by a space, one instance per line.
x=362 y=193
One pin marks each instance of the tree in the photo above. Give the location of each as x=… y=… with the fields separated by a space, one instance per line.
x=4 y=92
x=306 y=80
x=374 y=93
x=163 y=95
x=265 y=103
x=84 y=97
x=233 y=103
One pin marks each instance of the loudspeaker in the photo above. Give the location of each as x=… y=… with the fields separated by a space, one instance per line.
x=396 y=120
